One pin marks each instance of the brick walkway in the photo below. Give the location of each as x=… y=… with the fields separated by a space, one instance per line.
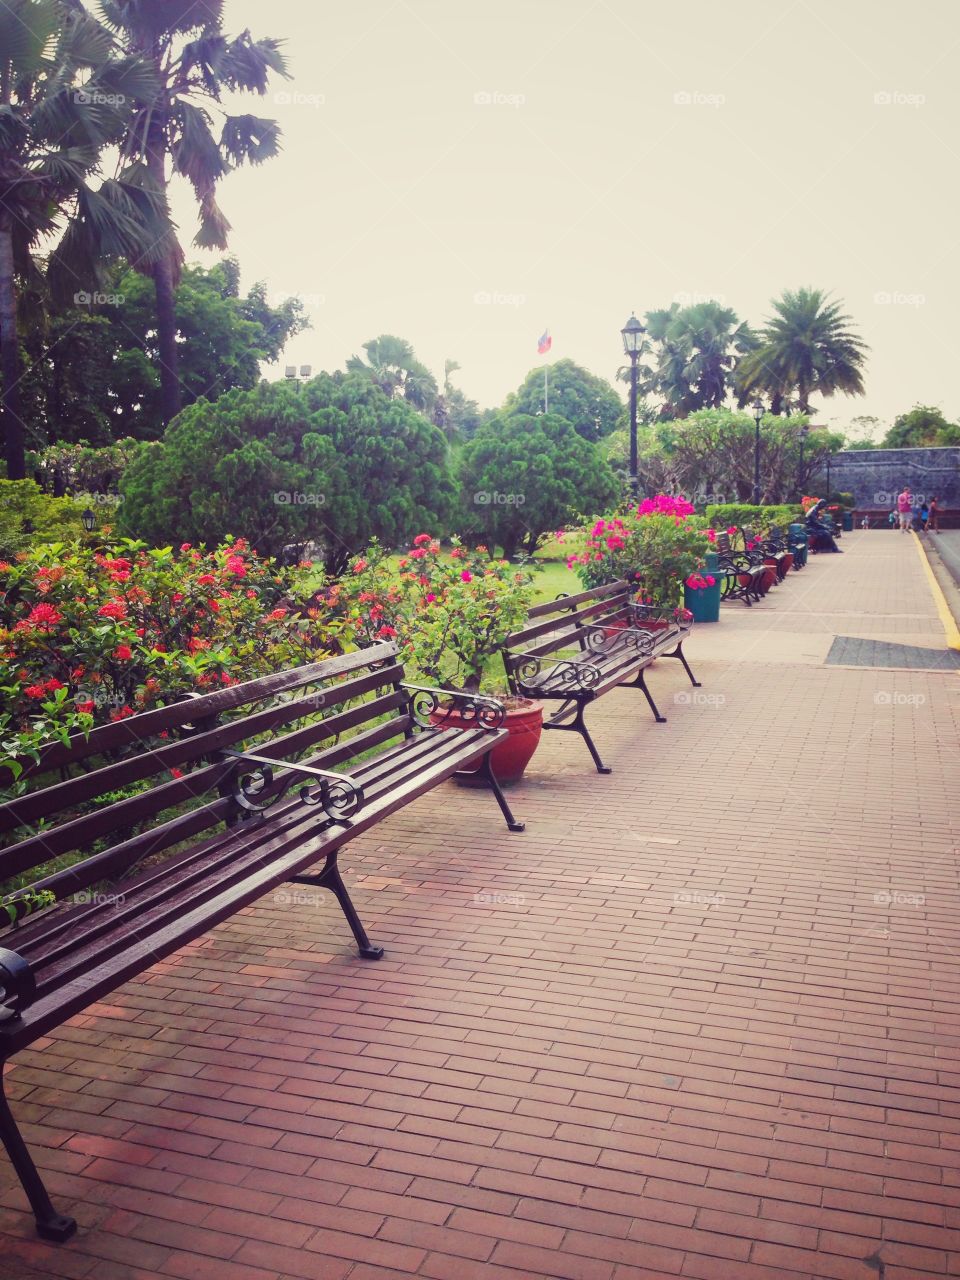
x=699 y=1020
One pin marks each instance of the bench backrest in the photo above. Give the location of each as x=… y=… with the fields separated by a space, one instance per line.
x=172 y=766
x=580 y=621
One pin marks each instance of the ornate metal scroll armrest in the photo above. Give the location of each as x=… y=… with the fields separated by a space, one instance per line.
x=336 y=794
x=530 y=674
x=18 y=986
x=471 y=709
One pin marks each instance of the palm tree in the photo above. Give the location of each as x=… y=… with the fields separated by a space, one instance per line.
x=391 y=363
x=807 y=346
x=65 y=95
x=194 y=63
x=696 y=350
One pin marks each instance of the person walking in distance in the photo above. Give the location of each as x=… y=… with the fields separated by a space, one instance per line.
x=933 y=516
x=905 y=510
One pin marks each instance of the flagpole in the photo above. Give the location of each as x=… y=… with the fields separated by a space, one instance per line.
x=546 y=389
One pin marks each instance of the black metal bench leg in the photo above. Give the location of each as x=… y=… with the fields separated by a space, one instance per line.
x=50 y=1224
x=330 y=878
x=500 y=798
x=678 y=653
x=640 y=683
x=579 y=727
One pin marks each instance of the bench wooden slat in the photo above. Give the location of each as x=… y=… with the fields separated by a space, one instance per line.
x=132 y=731
x=60 y=796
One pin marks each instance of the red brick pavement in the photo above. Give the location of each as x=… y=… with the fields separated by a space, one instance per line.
x=700 y=1020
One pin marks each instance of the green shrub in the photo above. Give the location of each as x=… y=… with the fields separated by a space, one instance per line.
x=742 y=515
x=29 y=516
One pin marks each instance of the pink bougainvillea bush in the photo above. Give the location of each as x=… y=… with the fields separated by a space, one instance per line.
x=91 y=636
x=658 y=543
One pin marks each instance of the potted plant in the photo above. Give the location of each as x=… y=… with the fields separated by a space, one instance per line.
x=658 y=543
x=451 y=611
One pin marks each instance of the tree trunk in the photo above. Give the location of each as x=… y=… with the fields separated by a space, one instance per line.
x=164 y=276
x=12 y=422
x=167 y=339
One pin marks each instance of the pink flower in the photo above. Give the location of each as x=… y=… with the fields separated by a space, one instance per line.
x=430 y=598
x=418 y=554
x=421 y=538
x=359 y=566
x=466 y=576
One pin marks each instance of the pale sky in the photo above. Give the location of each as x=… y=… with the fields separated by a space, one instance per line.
x=466 y=175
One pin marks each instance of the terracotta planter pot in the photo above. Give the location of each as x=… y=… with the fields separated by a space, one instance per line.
x=524 y=721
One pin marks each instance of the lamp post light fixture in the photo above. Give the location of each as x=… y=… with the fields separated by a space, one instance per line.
x=632 y=333
x=89 y=520
x=292 y=374
x=758 y=411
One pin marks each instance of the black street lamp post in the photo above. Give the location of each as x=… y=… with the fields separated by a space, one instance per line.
x=803 y=440
x=633 y=332
x=89 y=520
x=757 y=418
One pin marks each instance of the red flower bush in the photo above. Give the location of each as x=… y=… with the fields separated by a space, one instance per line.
x=88 y=637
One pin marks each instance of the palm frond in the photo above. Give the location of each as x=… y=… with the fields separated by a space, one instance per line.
x=250 y=138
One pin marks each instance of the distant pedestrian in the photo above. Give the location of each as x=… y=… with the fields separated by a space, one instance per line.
x=933 y=516
x=892 y=519
x=865 y=522
x=924 y=516
x=904 y=505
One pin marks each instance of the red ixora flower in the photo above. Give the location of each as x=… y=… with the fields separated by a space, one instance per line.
x=123 y=653
x=277 y=615
x=359 y=566
x=206 y=580
x=35 y=691
x=44 y=615
x=86 y=708
x=113 y=609
x=421 y=538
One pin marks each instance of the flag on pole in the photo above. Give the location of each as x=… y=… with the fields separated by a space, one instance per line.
x=544 y=343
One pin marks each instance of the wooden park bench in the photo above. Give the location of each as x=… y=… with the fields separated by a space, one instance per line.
x=227 y=796
x=575 y=649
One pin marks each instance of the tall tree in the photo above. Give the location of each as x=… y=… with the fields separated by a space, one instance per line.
x=392 y=365
x=174 y=132
x=454 y=413
x=574 y=393
x=923 y=425
x=695 y=352
x=65 y=96
x=807 y=346
x=93 y=373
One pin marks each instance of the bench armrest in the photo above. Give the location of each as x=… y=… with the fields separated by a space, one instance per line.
x=428 y=711
x=337 y=794
x=529 y=673
x=677 y=620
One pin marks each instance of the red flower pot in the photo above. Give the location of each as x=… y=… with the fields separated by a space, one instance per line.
x=524 y=722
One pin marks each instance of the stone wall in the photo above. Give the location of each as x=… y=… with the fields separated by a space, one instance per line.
x=876 y=476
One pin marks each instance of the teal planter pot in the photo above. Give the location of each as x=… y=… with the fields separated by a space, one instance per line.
x=798 y=543
x=848 y=522
x=704 y=602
